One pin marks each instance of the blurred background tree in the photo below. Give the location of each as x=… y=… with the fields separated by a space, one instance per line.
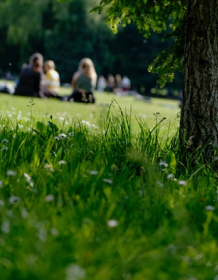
x=67 y=32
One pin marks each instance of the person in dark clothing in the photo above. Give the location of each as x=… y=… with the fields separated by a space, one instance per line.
x=31 y=78
x=31 y=81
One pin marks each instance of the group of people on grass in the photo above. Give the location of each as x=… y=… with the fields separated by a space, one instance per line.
x=115 y=84
x=40 y=79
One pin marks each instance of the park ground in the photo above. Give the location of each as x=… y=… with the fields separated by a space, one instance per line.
x=93 y=192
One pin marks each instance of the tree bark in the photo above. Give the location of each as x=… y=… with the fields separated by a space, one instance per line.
x=199 y=112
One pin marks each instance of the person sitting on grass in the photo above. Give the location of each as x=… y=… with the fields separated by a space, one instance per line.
x=83 y=83
x=31 y=80
x=31 y=77
x=52 y=79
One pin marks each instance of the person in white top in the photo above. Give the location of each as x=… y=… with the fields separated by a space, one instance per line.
x=126 y=84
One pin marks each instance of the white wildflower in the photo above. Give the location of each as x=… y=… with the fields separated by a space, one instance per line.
x=93 y=172
x=75 y=272
x=95 y=126
x=5 y=227
x=62 y=162
x=4 y=141
x=49 y=167
x=71 y=134
x=4 y=149
x=86 y=123
x=61 y=118
x=62 y=135
x=210 y=208
x=11 y=173
x=14 y=200
x=182 y=182
x=28 y=179
x=24 y=213
x=108 y=181
x=159 y=184
x=2 y=203
x=163 y=163
x=140 y=192
x=54 y=231
x=112 y=223
x=169 y=176
x=49 y=198
x=42 y=234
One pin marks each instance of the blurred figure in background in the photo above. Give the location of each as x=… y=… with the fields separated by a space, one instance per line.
x=101 y=84
x=126 y=84
x=83 y=83
x=110 y=83
x=52 y=79
x=118 y=81
x=31 y=78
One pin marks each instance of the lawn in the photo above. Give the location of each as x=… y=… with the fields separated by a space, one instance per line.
x=93 y=192
x=138 y=109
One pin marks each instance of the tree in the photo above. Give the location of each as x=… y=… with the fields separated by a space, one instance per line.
x=194 y=25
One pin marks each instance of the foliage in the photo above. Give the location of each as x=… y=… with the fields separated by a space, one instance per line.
x=152 y=16
x=66 y=32
x=98 y=200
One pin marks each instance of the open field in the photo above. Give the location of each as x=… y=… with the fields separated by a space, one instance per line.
x=95 y=194
x=139 y=109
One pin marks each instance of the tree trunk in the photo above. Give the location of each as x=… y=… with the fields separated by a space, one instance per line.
x=199 y=113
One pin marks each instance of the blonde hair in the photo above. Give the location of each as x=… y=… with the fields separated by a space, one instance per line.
x=86 y=63
x=50 y=64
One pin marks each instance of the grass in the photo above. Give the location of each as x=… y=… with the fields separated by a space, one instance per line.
x=93 y=193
